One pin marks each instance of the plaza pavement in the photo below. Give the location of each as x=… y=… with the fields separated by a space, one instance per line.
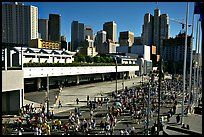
x=69 y=94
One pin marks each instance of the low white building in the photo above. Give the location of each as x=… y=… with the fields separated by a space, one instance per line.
x=39 y=56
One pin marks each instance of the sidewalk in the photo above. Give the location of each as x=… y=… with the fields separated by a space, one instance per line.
x=193 y=120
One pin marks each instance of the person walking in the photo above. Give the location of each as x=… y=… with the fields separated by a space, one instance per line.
x=177 y=119
x=77 y=100
x=60 y=104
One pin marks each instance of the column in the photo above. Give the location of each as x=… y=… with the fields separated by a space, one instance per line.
x=39 y=83
x=77 y=79
x=102 y=77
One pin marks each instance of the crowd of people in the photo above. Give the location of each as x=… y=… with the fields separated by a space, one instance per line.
x=134 y=101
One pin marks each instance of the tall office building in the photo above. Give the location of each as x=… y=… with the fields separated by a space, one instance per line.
x=110 y=28
x=77 y=34
x=126 y=38
x=43 y=28
x=174 y=49
x=147 y=30
x=155 y=29
x=63 y=43
x=164 y=29
x=88 y=31
x=100 y=41
x=19 y=23
x=54 y=25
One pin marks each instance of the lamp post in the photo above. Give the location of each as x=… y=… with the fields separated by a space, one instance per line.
x=116 y=89
x=47 y=94
x=184 y=67
x=123 y=82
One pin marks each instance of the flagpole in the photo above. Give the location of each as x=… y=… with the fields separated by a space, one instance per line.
x=184 y=66
x=197 y=91
x=195 y=65
x=191 y=48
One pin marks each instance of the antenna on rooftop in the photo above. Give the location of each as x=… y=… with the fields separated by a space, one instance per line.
x=157 y=4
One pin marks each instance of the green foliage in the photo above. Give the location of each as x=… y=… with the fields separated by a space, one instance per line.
x=96 y=59
x=89 y=59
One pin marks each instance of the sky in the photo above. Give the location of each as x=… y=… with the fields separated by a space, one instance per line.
x=129 y=16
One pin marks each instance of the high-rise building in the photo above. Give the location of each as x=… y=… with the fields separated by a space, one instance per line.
x=19 y=23
x=164 y=29
x=43 y=28
x=156 y=32
x=110 y=28
x=174 y=48
x=54 y=25
x=63 y=43
x=155 y=29
x=88 y=31
x=100 y=41
x=137 y=40
x=126 y=38
x=77 y=34
x=147 y=30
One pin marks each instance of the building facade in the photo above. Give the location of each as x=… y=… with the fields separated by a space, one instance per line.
x=63 y=43
x=100 y=41
x=126 y=38
x=54 y=25
x=110 y=28
x=77 y=34
x=88 y=31
x=147 y=30
x=19 y=23
x=43 y=28
x=40 y=43
x=155 y=29
x=137 y=40
x=174 y=49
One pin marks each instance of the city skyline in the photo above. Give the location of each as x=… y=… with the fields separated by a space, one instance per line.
x=95 y=14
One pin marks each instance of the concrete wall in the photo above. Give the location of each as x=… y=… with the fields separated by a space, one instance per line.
x=34 y=72
x=12 y=91
x=12 y=80
x=12 y=101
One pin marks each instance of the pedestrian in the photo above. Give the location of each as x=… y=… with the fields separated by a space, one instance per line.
x=56 y=98
x=60 y=104
x=77 y=100
x=177 y=119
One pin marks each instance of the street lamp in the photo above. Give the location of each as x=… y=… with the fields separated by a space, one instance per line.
x=116 y=74
x=47 y=94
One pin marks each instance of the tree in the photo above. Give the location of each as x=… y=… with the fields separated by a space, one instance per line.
x=96 y=59
x=102 y=60
x=79 y=58
x=89 y=59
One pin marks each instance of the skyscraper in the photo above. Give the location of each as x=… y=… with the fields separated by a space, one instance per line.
x=77 y=34
x=19 y=23
x=88 y=31
x=110 y=28
x=147 y=32
x=126 y=38
x=54 y=25
x=43 y=28
x=155 y=29
x=100 y=41
x=164 y=29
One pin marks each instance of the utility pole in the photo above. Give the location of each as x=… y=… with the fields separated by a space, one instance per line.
x=184 y=66
x=47 y=94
